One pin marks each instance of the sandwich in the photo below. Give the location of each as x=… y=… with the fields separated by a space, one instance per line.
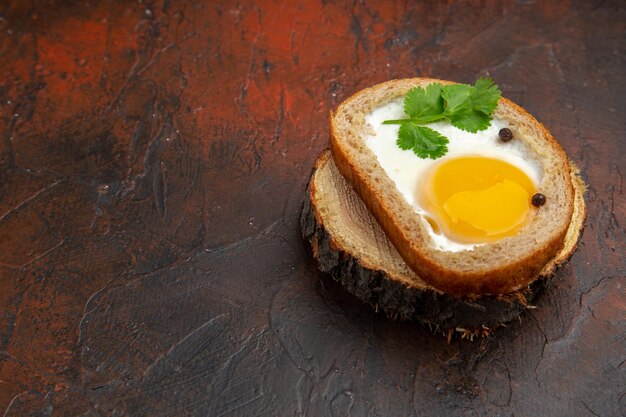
x=464 y=196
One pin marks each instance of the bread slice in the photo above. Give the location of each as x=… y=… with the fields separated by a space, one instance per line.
x=493 y=268
x=349 y=244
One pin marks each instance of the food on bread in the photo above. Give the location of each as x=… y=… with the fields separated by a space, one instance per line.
x=349 y=244
x=411 y=207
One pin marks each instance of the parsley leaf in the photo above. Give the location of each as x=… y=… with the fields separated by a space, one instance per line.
x=424 y=141
x=485 y=96
x=471 y=121
x=467 y=107
x=456 y=97
x=424 y=102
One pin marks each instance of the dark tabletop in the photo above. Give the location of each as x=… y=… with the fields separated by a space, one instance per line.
x=153 y=160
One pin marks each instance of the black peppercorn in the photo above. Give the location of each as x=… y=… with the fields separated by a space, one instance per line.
x=538 y=200
x=505 y=134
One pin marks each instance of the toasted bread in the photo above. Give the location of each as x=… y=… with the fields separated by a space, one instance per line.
x=349 y=244
x=500 y=267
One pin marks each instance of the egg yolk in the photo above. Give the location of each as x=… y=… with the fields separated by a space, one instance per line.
x=476 y=199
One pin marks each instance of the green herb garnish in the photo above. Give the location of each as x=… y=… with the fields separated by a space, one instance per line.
x=467 y=107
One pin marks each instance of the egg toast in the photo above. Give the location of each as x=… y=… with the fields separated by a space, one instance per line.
x=494 y=267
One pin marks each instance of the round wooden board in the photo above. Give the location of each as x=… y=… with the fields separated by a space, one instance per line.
x=348 y=244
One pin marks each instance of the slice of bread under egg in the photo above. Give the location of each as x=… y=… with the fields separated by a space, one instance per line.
x=493 y=268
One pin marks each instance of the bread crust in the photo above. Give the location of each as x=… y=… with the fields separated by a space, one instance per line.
x=429 y=263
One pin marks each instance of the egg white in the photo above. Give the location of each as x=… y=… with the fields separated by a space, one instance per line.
x=406 y=169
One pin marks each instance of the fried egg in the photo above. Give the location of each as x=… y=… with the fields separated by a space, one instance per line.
x=479 y=192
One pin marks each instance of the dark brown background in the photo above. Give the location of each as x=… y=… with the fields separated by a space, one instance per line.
x=153 y=159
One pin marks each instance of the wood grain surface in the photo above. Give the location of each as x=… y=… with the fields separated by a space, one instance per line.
x=153 y=160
